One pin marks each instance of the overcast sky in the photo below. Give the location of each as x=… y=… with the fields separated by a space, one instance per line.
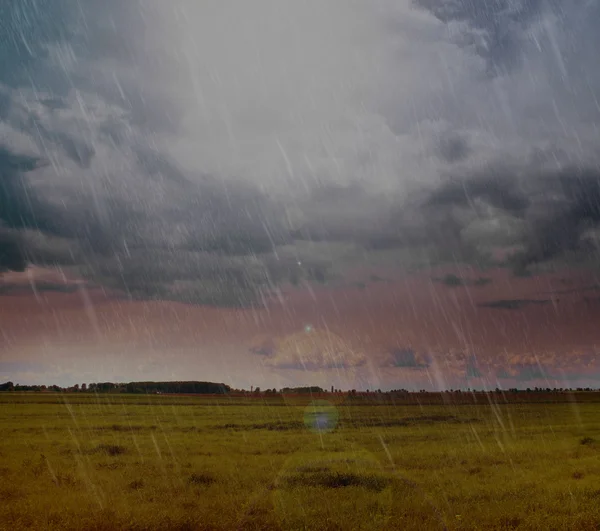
x=185 y=150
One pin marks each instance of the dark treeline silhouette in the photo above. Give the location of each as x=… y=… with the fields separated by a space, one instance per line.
x=399 y=396
x=201 y=388
x=303 y=390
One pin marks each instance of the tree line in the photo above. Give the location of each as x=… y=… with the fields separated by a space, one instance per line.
x=212 y=388
x=192 y=387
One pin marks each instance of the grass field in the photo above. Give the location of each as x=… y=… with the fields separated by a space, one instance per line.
x=160 y=462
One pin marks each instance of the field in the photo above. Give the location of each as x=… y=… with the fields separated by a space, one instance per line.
x=160 y=462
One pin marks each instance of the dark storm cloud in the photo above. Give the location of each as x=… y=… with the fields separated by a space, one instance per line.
x=377 y=221
x=17 y=208
x=156 y=165
x=452 y=147
x=22 y=208
x=162 y=130
x=199 y=246
x=426 y=220
x=200 y=278
x=496 y=187
x=79 y=33
x=135 y=250
x=498 y=28
x=37 y=287
x=102 y=196
x=11 y=254
x=554 y=208
x=568 y=204
x=404 y=358
x=582 y=207
x=27 y=121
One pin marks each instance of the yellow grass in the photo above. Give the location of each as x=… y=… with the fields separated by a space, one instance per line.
x=126 y=462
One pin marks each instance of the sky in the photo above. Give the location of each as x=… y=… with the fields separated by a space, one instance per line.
x=361 y=194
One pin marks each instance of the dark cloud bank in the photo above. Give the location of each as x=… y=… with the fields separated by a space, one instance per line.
x=86 y=181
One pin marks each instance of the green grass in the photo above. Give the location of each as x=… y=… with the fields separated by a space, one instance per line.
x=137 y=462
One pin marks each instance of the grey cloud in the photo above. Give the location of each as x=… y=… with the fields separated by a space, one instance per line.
x=453 y=147
x=554 y=208
x=11 y=254
x=111 y=202
x=497 y=187
x=160 y=253
x=375 y=221
x=497 y=28
x=37 y=287
x=472 y=370
x=405 y=358
x=513 y=304
x=442 y=222
x=179 y=252
x=42 y=129
x=192 y=277
x=342 y=213
x=572 y=205
x=18 y=209
x=21 y=366
x=123 y=204
x=503 y=374
x=179 y=137
x=262 y=350
x=526 y=372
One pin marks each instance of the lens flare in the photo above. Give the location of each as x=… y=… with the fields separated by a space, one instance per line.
x=321 y=416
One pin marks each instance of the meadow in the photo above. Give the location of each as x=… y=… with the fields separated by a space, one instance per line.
x=103 y=462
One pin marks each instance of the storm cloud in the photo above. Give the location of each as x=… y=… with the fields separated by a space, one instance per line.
x=169 y=150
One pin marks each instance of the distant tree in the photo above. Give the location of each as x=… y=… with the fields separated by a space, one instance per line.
x=83 y=387
x=303 y=390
